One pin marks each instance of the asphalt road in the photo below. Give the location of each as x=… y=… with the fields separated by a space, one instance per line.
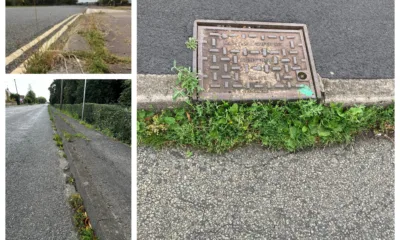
x=22 y=27
x=36 y=200
x=340 y=192
x=351 y=39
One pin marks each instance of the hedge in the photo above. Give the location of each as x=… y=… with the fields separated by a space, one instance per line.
x=114 y=119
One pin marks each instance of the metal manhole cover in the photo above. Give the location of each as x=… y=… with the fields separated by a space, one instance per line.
x=253 y=60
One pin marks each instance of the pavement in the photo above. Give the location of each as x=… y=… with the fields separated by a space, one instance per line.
x=102 y=169
x=349 y=39
x=339 y=192
x=36 y=192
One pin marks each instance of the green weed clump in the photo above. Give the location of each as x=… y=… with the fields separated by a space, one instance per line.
x=58 y=141
x=191 y=43
x=218 y=127
x=187 y=83
x=81 y=218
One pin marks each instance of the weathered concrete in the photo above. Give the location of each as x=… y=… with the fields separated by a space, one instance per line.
x=76 y=43
x=359 y=91
x=155 y=91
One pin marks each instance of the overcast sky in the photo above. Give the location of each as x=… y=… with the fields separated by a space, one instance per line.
x=39 y=86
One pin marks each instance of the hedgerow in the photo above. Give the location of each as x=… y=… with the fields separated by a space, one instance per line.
x=112 y=119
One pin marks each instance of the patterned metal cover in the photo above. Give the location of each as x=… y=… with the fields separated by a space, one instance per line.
x=253 y=63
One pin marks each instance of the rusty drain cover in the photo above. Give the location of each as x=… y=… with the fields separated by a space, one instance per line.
x=254 y=61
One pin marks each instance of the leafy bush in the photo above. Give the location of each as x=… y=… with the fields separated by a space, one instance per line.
x=114 y=119
x=218 y=127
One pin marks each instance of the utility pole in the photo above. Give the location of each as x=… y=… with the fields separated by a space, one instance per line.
x=16 y=86
x=84 y=94
x=18 y=99
x=61 y=93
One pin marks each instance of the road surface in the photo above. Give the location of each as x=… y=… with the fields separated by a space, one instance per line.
x=351 y=39
x=340 y=192
x=36 y=201
x=22 y=27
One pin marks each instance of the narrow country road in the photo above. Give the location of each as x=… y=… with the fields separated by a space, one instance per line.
x=36 y=200
x=22 y=26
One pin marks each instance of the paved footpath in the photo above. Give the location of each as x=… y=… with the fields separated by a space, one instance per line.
x=340 y=192
x=36 y=198
x=102 y=169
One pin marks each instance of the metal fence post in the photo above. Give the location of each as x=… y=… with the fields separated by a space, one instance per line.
x=62 y=81
x=84 y=93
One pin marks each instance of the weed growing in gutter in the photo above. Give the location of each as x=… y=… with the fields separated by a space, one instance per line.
x=191 y=43
x=187 y=82
x=81 y=218
x=59 y=142
x=219 y=127
x=40 y=62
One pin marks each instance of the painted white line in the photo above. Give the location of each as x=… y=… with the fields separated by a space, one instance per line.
x=21 y=68
x=23 y=49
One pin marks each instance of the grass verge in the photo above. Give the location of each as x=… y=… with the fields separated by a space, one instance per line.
x=81 y=219
x=219 y=127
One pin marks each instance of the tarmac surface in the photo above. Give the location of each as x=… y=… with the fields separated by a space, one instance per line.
x=339 y=192
x=349 y=39
x=36 y=199
x=22 y=27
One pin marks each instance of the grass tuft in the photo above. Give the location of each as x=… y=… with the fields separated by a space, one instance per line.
x=59 y=142
x=40 y=62
x=191 y=43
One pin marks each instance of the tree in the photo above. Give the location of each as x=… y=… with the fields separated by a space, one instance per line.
x=41 y=100
x=15 y=97
x=125 y=97
x=30 y=97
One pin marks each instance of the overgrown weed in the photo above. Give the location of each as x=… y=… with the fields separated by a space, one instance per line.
x=219 y=127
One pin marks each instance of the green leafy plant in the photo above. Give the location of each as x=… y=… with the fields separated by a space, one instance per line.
x=191 y=43
x=187 y=82
x=58 y=141
x=219 y=127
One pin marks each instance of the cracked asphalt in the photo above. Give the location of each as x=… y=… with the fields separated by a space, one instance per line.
x=36 y=195
x=340 y=192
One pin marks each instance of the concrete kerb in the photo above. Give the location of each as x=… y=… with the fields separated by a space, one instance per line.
x=155 y=91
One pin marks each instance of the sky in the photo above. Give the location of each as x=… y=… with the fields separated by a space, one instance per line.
x=39 y=86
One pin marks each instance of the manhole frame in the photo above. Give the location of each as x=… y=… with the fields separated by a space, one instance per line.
x=261 y=25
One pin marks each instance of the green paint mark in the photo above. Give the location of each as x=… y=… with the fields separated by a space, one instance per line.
x=306 y=90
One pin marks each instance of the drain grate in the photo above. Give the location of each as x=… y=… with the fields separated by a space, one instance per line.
x=254 y=61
